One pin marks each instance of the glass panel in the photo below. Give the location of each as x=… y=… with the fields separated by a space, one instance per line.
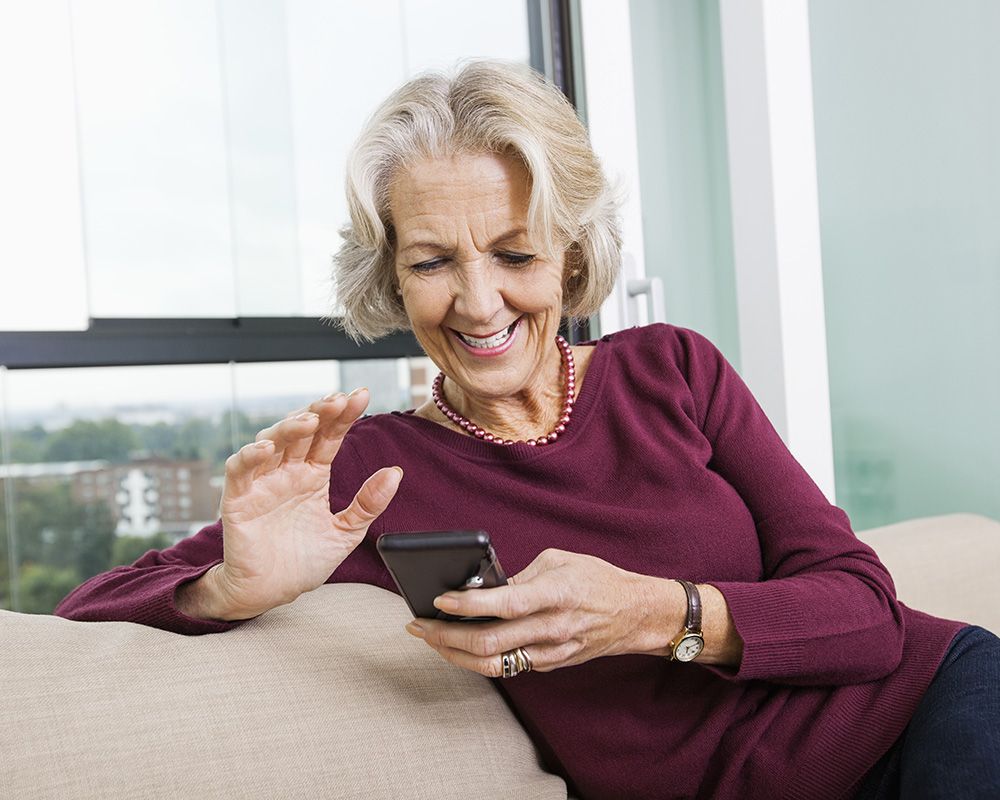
x=680 y=116
x=907 y=130
x=385 y=41
x=211 y=169
x=255 y=83
x=106 y=464
x=41 y=232
x=153 y=153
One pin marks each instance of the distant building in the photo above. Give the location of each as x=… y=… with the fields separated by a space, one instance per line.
x=152 y=494
x=145 y=495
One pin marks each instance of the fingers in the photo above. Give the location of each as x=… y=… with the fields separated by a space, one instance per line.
x=543 y=659
x=334 y=427
x=515 y=600
x=371 y=500
x=242 y=465
x=316 y=431
x=478 y=647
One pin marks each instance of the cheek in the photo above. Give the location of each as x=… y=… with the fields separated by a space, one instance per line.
x=426 y=305
x=536 y=296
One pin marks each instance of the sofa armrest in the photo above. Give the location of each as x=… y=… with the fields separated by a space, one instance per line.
x=947 y=565
x=327 y=696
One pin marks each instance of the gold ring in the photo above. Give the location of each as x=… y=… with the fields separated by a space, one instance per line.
x=515 y=661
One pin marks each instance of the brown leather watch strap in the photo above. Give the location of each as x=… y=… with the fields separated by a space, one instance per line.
x=693 y=622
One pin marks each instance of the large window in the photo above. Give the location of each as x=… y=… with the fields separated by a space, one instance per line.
x=172 y=192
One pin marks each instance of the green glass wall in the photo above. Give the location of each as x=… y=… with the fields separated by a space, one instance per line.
x=684 y=183
x=907 y=109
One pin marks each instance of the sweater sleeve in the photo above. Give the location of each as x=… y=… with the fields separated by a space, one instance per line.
x=825 y=611
x=145 y=591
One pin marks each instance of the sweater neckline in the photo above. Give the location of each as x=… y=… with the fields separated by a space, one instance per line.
x=471 y=447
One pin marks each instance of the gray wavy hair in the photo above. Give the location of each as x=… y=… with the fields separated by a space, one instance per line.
x=486 y=106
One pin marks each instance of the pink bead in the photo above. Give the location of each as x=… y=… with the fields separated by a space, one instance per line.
x=566 y=351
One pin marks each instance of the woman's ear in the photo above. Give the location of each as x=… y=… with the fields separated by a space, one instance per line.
x=571 y=264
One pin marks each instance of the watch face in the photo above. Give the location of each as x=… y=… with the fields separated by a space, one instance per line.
x=689 y=648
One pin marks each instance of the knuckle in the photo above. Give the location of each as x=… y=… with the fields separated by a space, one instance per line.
x=562 y=596
x=558 y=631
x=487 y=644
x=567 y=651
x=509 y=605
x=493 y=668
x=232 y=462
x=365 y=511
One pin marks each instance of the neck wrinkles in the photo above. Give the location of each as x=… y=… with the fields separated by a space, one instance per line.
x=532 y=412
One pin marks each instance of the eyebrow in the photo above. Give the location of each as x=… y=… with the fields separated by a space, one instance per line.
x=514 y=232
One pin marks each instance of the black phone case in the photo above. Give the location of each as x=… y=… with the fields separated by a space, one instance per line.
x=425 y=564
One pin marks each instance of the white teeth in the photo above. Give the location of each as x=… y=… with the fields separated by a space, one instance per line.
x=490 y=341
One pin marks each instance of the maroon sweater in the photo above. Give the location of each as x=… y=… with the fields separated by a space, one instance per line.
x=669 y=468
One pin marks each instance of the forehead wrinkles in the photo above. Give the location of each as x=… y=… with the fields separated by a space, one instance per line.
x=476 y=199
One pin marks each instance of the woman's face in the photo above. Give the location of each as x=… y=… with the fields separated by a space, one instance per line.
x=483 y=300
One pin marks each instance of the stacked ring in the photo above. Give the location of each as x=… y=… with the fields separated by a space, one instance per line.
x=515 y=661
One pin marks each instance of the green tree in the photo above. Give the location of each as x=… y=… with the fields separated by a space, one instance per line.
x=159 y=439
x=56 y=532
x=86 y=440
x=27 y=446
x=194 y=439
x=43 y=586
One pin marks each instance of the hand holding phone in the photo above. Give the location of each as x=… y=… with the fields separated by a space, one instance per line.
x=426 y=564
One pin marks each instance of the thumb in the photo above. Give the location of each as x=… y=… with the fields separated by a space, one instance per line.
x=371 y=500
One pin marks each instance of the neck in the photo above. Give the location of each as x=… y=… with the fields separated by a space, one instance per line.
x=533 y=411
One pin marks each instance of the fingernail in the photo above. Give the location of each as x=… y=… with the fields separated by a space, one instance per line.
x=446 y=603
x=359 y=389
x=415 y=629
x=400 y=471
x=332 y=396
x=307 y=415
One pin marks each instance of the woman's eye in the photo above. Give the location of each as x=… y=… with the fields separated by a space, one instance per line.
x=517 y=259
x=427 y=266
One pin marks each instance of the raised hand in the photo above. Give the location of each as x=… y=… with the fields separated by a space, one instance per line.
x=280 y=536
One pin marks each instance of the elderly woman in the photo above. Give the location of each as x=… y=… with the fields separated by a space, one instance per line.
x=688 y=616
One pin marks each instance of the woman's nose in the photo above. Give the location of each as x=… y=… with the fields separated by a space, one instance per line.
x=478 y=297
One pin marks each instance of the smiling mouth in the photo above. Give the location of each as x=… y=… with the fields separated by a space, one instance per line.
x=493 y=340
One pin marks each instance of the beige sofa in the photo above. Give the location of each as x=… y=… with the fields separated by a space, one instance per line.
x=328 y=696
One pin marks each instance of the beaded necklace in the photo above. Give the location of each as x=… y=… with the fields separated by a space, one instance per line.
x=437 y=393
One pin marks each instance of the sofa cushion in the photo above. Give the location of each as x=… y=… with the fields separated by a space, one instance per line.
x=325 y=697
x=947 y=565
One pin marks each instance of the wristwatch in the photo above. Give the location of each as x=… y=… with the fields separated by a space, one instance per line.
x=689 y=642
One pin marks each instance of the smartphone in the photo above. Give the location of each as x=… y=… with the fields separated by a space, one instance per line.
x=425 y=564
